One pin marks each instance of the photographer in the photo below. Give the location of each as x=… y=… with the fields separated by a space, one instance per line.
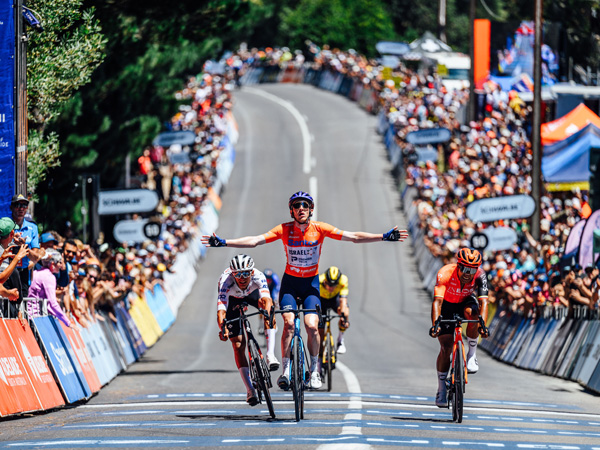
x=575 y=291
x=11 y=255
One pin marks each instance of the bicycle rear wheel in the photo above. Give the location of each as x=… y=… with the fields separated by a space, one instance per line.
x=330 y=355
x=458 y=387
x=262 y=376
x=297 y=380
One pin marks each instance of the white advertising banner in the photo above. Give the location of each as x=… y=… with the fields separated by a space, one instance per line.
x=127 y=201
x=130 y=231
x=500 y=238
x=501 y=208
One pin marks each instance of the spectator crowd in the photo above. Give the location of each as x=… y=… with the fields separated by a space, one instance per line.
x=490 y=157
x=77 y=279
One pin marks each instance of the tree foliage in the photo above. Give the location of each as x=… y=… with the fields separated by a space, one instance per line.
x=357 y=24
x=151 y=47
x=60 y=60
x=101 y=76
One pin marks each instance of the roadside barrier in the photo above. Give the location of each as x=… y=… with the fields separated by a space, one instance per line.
x=26 y=383
x=552 y=344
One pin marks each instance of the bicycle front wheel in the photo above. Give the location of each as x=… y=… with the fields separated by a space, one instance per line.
x=458 y=387
x=297 y=380
x=262 y=376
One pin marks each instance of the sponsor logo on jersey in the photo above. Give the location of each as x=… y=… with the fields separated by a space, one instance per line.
x=302 y=243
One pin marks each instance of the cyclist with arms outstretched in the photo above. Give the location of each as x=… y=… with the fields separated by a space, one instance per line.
x=302 y=240
x=462 y=289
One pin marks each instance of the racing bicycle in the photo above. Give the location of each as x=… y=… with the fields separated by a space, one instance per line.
x=457 y=379
x=299 y=375
x=329 y=349
x=259 y=372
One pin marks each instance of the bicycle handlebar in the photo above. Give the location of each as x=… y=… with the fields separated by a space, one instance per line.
x=243 y=315
x=457 y=321
x=298 y=311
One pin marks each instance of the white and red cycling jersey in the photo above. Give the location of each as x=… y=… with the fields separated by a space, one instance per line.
x=229 y=288
x=303 y=248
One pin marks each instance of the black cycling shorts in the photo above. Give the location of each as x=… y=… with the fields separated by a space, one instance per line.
x=450 y=309
x=232 y=312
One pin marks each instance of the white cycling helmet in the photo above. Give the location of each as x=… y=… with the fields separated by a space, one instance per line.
x=240 y=263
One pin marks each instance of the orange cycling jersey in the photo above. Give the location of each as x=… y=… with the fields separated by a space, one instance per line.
x=303 y=248
x=448 y=285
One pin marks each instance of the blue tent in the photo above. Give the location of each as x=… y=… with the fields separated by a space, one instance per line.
x=568 y=161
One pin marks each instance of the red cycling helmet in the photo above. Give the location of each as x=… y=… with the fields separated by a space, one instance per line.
x=469 y=257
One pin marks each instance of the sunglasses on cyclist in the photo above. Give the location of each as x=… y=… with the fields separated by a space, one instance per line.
x=467 y=270
x=299 y=205
x=244 y=274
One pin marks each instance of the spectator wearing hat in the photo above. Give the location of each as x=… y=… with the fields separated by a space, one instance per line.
x=29 y=235
x=11 y=255
x=48 y=240
x=43 y=286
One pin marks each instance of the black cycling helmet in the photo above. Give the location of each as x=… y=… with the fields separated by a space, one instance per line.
x=333 y=275
x=301 y=195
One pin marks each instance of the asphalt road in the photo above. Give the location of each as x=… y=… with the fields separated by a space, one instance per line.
x=186 y=392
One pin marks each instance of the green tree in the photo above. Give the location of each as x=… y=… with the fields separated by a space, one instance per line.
x=151 y=48
x=357 y=24
x=60 y=59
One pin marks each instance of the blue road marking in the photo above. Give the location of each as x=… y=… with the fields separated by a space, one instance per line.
x=287 y=412
x=319 y=423
x=318 y=394
x=216 y=441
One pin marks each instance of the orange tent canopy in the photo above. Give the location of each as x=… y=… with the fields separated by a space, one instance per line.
x=570 y=123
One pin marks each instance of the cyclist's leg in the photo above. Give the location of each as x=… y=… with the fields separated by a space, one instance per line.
x=311 y=320
x=271 y=333
x=342 y=309
x=287 y=301
x=238 y=342
x=471 y=312
x=445 y=338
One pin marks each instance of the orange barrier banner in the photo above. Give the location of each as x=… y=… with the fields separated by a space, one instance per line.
x=17 y=393
x=32 y=359
x=84 y=358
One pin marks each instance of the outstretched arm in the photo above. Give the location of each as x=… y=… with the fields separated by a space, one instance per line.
x=362 y=237
x=242 y=242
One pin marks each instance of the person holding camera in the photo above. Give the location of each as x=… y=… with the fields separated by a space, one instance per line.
x=10 y=256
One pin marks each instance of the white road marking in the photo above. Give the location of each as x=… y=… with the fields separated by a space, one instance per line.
x=313 y=191
x=354 y=403
x=299 y=118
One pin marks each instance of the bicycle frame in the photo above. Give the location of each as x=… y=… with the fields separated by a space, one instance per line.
x=457 y=386
x=299 y=360
x=259 y=373
x=458 y=336
x=328 y=348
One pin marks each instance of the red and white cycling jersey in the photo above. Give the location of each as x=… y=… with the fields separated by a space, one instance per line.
x=303 y=248
x=448 y=285
x=229 y=288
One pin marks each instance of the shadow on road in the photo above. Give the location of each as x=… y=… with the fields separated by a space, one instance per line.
x=233 y=417
x=169 y=372
x=417 y=419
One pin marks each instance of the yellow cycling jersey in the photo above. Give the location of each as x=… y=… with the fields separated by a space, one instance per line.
x=341 y=289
